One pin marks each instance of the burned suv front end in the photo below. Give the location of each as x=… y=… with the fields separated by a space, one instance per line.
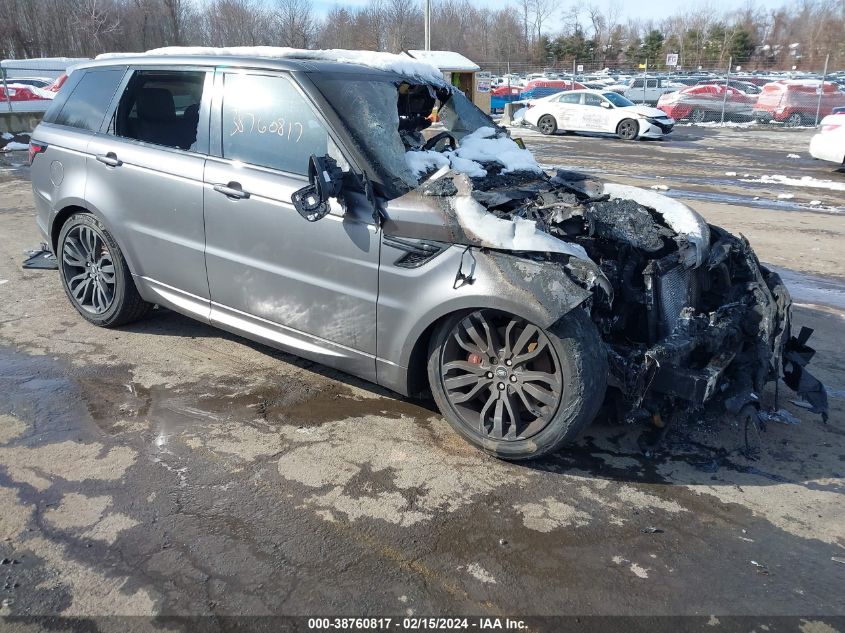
x=687 y=316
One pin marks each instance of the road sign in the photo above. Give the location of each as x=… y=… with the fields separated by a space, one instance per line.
x=672 y=59
x=580 y=68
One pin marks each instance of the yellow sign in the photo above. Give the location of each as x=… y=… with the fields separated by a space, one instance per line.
x=641 y=66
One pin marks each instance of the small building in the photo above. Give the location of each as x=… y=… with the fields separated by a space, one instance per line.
x=461 y=72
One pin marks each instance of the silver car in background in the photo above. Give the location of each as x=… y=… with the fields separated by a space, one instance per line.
x=308 y=203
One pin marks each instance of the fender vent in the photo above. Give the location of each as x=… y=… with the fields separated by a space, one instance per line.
x=417 y=252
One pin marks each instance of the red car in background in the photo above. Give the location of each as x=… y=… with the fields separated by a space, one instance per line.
x=20 y=92
x=704 y=102
x=794 y=101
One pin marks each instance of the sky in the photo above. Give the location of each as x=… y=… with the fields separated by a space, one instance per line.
x=634 y=9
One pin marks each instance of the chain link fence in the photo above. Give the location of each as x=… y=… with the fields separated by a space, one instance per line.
x=714 y=92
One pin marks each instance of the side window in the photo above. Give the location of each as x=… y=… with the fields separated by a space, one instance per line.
x=652 y=83
x=570 y=99
x=638 y=83
x=592 y=100
x=86 y=106
x=267 y=122
x=161 y=107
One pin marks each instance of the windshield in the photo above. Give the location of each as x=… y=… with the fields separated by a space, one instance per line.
x=617 y=99
x=385 y=119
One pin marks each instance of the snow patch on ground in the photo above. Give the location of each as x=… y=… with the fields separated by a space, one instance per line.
x=14 y=146
x=518 y=234
x=401 y=64
x=804 y=181
x=793 y=156
x=479 y=573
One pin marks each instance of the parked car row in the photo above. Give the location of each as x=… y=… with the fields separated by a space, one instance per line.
x=791 y=102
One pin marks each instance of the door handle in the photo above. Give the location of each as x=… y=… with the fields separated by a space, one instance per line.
x=232 y=190
x=110 y=159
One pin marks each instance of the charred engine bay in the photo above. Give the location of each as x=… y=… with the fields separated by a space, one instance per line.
x=677 y=336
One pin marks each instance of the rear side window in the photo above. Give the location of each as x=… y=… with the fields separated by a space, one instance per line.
x=570 y=98
x=161 y=107
x=86 y=106
x=267 y=122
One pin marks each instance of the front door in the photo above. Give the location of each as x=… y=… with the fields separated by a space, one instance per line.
x=309 y=287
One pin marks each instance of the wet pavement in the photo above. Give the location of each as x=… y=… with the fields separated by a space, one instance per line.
x=707 y=164
x=170 y=468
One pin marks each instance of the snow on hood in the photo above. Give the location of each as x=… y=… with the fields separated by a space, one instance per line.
x=400 y=64
x=677 y=215
x=517 y=234
x=481 y=146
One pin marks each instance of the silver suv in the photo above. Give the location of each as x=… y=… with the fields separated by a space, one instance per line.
x=311 y=204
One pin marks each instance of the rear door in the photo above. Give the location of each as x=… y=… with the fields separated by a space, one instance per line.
x=145 y=175
x=568 y=111
x=310 y=287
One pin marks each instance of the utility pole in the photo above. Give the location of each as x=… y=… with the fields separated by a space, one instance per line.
x=427 y=21
x=821 y=88
x=727 y=85
x=645 y=77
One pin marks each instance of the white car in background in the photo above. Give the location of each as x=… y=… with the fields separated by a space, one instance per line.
x=597 y=111
x=829 y=143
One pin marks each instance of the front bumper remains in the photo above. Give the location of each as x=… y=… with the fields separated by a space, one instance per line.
x=703 y=354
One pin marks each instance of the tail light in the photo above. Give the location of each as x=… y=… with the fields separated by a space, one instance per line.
x=36 y=148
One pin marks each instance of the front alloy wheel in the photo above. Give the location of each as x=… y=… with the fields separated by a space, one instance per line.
x=513 y=388
x=628 y=129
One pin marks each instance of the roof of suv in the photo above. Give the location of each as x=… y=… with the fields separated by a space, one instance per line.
x=279 y=58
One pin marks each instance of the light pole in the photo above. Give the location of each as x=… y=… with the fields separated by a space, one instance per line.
x=427 y=23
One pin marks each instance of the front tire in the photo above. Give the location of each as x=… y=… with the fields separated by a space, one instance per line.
x=547 y=124
x=698 y=116
x=794 y=120
x=513 y=389
x=94 y=274
x=627 y=129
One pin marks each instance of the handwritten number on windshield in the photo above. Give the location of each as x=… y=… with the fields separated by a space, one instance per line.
x=248 y=123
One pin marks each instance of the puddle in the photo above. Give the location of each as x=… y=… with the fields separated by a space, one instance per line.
x=745 y=201
x=826 y=291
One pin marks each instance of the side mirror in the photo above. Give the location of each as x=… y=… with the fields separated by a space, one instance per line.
x=326 y=180
x=605 y=104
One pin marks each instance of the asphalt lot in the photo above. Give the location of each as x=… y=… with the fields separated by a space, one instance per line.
x=170 y=468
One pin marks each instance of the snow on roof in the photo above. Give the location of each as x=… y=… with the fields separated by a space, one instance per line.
x=446 y=60
x=400 y=64
x=42 y=63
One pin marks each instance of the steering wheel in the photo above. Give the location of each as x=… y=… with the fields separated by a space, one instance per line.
x=434 y=140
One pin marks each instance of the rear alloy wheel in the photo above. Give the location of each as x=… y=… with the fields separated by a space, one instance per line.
x=547 y=124
x=698 y=115
x=94 y=274
x=627 y=129
x=795 y=119
x=512 y=388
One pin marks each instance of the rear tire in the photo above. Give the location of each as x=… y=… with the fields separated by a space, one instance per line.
x=794 y=120
x=94 y=274
x=698 y=116
x=547 y=124
x=548 y=392
x=628 y=129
